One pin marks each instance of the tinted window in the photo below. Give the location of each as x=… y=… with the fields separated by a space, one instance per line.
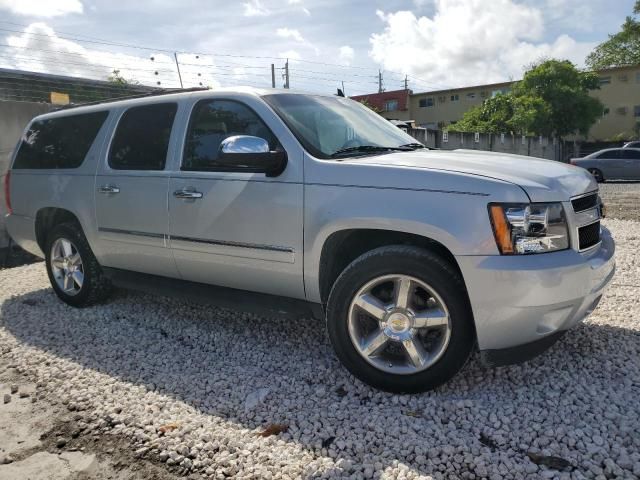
x=611 y=154
x=214 y=120
x=631 y=154
x=142 y=137
x=61 y=142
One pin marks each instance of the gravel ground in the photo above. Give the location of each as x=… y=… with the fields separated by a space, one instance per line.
x=214 y=393
x=622 y=199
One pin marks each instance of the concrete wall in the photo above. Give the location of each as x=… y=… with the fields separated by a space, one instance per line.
x=532 y=146
x=14 y=117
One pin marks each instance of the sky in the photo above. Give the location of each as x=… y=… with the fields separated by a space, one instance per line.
x=435 y=44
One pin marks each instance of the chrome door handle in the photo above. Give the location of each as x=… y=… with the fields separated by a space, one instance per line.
x=187 y=194
x=108 y=189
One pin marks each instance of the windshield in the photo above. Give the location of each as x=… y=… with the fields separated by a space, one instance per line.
x=328 y=125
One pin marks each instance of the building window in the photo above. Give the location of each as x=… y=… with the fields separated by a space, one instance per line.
x=426 y=102
x=442 y=99
x=605 y=80
x=455 y=98
x=391 y=105
x=471 y=95
x=636 y=111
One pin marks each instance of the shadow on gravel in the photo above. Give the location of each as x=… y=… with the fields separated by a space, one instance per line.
x=214 y=359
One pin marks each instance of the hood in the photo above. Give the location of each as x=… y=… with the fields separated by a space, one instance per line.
x=542 y=180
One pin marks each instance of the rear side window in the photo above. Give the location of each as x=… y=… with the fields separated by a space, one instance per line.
x=61 y=142
x=141 y=140
x=611 y=154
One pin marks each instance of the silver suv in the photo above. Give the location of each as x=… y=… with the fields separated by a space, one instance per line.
x=297 y=204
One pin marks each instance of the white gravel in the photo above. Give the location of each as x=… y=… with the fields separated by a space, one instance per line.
x=220 y=377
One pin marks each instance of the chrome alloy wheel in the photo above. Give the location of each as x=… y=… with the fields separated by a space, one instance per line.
x=66 y=266
x=399 y=324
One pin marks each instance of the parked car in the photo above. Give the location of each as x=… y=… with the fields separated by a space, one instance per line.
x=612 y=164
x=297 y=204
x=634 y=144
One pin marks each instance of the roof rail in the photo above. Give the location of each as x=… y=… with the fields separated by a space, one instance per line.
x=157 y=92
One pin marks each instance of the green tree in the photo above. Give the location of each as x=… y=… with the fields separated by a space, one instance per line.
x=117 y=79
x=622 y=48
x=494 y=115
x=565 y=91
x=552 y=99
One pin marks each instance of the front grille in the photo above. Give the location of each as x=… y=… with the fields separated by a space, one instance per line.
x=584 y=203
x=589 y=235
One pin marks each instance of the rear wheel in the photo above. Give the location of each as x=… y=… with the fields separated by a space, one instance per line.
x=597 y=174
x=74 y=272
x=399 y=319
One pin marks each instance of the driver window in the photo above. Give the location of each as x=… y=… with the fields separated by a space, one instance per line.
x=214 y=120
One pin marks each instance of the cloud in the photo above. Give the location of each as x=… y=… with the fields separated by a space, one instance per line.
x=346 y=54
x=42 y=8
x=295 y=2
x=254 y=8
x=574 y=14
x=290 y=33
x=467 y=42
x=290 y=54
x=39 y=49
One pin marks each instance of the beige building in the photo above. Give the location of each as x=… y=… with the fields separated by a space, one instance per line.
x=619 y=92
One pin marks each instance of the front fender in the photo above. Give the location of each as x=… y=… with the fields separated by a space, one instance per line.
x=458 y=221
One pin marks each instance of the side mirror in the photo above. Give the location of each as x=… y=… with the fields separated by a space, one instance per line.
x=251 y=154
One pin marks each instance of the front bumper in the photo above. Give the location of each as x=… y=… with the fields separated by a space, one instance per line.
x=518 y=301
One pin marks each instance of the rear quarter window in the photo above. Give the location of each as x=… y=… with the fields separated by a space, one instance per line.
x=61 y=142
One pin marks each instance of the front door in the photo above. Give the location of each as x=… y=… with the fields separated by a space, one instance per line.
x=235 y=228
x=131 y=192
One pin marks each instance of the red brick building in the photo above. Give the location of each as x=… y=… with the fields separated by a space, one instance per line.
x=394 y=101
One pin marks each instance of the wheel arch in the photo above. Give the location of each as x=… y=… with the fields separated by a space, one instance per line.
x=49 y=217
x=341 y=247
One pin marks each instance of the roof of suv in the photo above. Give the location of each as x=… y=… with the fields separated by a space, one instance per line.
x=166 y=96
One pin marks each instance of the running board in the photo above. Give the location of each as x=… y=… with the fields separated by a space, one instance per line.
x=231 y=298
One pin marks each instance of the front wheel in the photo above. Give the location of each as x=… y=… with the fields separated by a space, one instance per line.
x=399 y=319
x=75 y=274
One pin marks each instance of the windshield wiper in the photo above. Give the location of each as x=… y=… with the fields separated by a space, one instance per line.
x=368 y=149
x=413 y=146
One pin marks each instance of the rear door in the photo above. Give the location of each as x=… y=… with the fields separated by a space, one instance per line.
x=631 y=165
x=241 y=229
x=131 y=191
x=610 y=163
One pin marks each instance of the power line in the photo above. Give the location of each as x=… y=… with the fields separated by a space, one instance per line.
x=87 y=39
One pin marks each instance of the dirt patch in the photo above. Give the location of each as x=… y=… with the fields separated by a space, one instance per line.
x=41 y=439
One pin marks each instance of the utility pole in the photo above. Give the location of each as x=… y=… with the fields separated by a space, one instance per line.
x=406 y=82
x=286 y=74
x=343 y=88
x=273 y=76
x=175 y=55
x=380 y=89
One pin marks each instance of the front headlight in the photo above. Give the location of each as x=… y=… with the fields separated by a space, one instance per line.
x=529 y=227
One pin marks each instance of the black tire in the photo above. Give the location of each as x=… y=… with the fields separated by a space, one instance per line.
x=597 y=174
x=425 y=266
x=96 y=287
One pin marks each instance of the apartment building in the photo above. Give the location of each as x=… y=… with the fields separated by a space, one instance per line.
x=619 y=92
